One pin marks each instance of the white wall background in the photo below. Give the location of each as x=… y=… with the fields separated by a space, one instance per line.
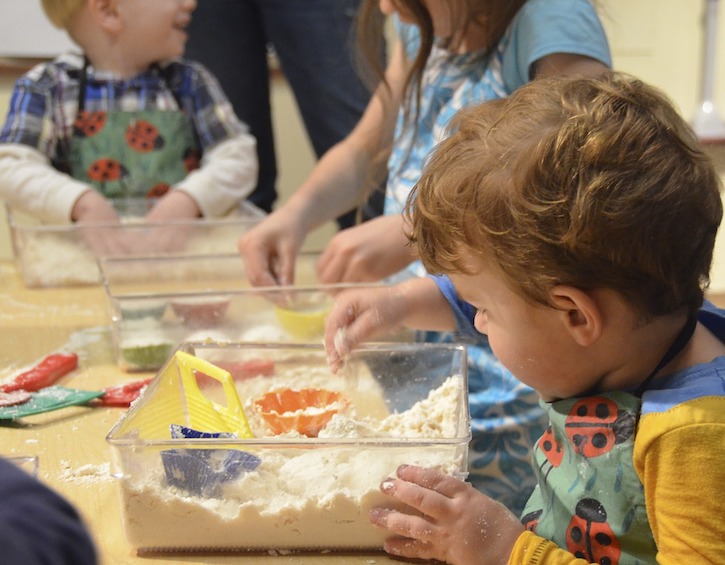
x=26 y=32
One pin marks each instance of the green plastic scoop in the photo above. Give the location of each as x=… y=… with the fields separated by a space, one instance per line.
x=49 y=399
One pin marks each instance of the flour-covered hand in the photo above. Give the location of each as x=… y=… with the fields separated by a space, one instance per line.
x=446 y=519
x=359 y=315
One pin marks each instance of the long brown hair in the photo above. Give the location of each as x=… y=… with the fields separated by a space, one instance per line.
x=492 y=17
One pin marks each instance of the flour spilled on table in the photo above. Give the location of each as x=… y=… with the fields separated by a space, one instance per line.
x=86 y=474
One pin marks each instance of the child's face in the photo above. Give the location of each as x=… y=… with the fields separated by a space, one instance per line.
x=154 y=30
x=530 y=340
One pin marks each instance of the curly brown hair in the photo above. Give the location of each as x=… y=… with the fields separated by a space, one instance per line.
x=588 y=182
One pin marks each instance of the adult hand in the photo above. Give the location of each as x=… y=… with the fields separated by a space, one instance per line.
x=368 y=252
x=448 y=520
x=269 y=249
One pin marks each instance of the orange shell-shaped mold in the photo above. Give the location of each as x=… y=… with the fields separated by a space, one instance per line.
x=306 y=411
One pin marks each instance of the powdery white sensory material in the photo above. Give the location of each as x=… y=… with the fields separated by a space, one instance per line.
x=301 y=497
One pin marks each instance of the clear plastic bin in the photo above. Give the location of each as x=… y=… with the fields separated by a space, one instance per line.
x=159 y=303
x=393 y=404
x=66 y=255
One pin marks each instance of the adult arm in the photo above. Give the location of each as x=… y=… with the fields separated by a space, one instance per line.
x=335 y=186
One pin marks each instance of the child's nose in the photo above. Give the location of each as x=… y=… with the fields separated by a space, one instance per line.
x=189 y=5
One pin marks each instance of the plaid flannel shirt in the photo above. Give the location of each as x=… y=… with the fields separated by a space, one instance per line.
x=45 y=101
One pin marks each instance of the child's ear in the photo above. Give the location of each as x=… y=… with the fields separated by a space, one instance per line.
x=580 y=313
x=106 y=13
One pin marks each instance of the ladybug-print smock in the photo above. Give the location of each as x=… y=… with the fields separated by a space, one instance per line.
x=44 y=117
x=131 y=154
x=589 y=499
x=607 y=480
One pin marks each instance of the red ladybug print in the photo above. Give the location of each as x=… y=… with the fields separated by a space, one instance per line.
x=595 y=425
x=552 y=450
x=143 y=137
x=192 y=159
x=158 y=190
x=104 y=170
x=549 y=445
x=531 y=520
x=88 y=124
x=589 y=536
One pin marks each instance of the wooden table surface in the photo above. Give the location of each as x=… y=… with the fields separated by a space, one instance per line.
x=73 y=456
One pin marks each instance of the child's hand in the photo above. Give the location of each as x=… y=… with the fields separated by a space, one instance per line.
x=360 y=315
x=450 y=521
x=360 y=254
x=175 y=205
x=93 y=208
x=270 y=248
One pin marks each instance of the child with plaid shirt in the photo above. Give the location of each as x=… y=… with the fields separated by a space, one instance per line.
x=128 y=118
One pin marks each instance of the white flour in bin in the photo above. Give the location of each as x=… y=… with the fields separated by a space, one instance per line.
x=52 y=259
x=298 y=498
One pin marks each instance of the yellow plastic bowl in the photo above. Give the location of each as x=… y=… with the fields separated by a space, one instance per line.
x=304 y=321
